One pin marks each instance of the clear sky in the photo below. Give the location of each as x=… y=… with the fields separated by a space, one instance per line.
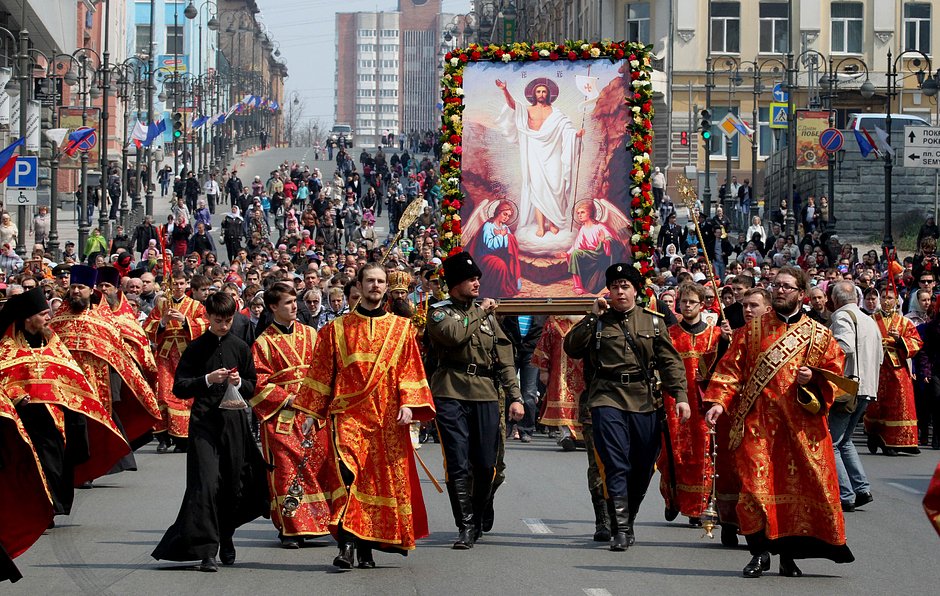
x=305 y=30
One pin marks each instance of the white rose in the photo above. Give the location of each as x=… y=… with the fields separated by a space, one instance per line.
x=636 y=239
x=458 y=91
x=452 y=181
x=595 y=52
x=446 y=147
x=455 y=119
x=544 y=53
x=454 y=61
x=635 y=191
x=585 y=47
x=506 y=57
x=634 y=64
x=636 y=109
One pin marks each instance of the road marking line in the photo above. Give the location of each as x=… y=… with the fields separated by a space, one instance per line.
x=536 y=526
x=905 y=488
x=596 y=592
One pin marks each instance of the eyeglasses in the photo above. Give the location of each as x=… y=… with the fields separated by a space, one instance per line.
x=928 y=281
x=783 y=288
x=689 y=302
x=312 y=301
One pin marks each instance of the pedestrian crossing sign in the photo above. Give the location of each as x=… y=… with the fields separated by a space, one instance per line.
x=779 y=115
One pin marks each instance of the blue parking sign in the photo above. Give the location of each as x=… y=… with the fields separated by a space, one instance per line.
x=25 y=172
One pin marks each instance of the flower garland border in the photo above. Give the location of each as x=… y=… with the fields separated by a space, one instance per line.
x=640 y=128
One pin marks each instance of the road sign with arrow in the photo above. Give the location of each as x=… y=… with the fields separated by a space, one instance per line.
x=922 y=147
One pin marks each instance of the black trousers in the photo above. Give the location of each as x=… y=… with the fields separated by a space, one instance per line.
x=627 y=444
x=469 y=433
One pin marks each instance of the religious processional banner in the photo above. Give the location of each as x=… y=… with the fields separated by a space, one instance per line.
x=545 y=165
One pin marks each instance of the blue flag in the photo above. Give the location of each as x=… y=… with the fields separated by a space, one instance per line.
x=863 y=144
x=154 y=130
x=198 y=122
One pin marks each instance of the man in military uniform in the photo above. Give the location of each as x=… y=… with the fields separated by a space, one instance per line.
x=474 y=357
x=624 y=346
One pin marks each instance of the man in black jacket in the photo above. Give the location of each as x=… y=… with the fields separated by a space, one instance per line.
x=143 y=234
x=524 y=332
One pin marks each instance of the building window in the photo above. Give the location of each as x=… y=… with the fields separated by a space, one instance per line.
x=917 y=27
x=774 y=33
x=142 y=40
x=726 y=27
x=717 y=148
x=174 y=39
x=846 y=19
x=638 y=22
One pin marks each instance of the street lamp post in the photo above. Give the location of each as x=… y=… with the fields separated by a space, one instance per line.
x=734 y=79
x=928 y=86
x=867 y=90
x=151 y=88
x=758 y=67
x=104 y=207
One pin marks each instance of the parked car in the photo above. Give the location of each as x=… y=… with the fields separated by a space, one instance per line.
x=870 y=121
x=342 y=136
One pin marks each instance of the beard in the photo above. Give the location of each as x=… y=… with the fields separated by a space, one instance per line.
x=402 y=307
x=786 y=305
x=79 y=304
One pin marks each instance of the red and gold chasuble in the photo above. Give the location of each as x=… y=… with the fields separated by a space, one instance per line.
x=932 y=500
x=135 y=340
x=281 y=362
x=784 y=456
x=25 y=501
x=893 y=416
x=364 y=370
x=565 y=375
x=691 y=444
x=49 y=375
x=95 y=344
x=170 y=343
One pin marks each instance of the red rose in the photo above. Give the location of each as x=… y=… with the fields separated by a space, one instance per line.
x=456 y=227
x=635 y=203
x=454 y=251
x=455 y=204
x=632 y=56
x=448 y=56
x=458 y=149
x=499 y=53
x=534 y=55
x=634 y=74
x=458 y=80
x=572 y=55
x=463 y=57
x=455 y=139
x=618 y=53
x=512 y=54
x=586 y=54
x=553 y=56
x=475 y=55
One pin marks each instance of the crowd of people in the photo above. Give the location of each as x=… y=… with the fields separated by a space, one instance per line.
x=315 y=337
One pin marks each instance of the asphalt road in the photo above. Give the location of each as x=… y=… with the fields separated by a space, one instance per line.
x=541 y=543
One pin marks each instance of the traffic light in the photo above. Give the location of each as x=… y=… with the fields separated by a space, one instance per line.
x=684 y=138
x=177 y=125
x=705 y=126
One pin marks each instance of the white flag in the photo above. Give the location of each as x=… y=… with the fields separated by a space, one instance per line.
x=883 y=141
x=56 y=135
x=140 y=131
x=588 y=86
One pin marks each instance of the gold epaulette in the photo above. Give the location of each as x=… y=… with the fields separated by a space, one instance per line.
x=654 y=312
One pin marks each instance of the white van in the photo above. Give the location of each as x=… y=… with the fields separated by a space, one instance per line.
x=870 y=121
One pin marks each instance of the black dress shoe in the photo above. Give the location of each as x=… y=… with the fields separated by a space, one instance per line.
x=695 y=522
x=161 y=447
x=889 y=451
x=619 y=542
x=209 y=565
x=290 y=542
x=862 y=499
x=872 y=442
x=847 y=507
x=86 y=485
x=788 y=568
x=671 y=514
x=227 y=551
x=364 y=556
x=758 y=565
x=344 y=560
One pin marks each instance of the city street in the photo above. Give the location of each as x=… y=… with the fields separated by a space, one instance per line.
x=541 y=543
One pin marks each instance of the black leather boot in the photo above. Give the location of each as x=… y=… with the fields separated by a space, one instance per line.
x=364 y=556
x=631 y=538
x=482 y=500
x=601 y=516
x=461 y=505
x=621 y=541
x=757 y=566
x=347 y=550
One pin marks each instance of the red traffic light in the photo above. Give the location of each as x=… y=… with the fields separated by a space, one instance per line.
x=684 y=138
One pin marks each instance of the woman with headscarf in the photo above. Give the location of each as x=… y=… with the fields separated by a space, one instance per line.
x=671 y=253
x=232 y=232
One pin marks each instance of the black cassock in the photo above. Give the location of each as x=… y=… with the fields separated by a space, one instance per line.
x=225 y=472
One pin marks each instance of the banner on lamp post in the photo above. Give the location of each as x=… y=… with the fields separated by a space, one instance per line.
x=5 y=75
x=809 y=126
x=33 y=109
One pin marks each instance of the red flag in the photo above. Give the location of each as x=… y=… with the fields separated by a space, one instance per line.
x=8 y=158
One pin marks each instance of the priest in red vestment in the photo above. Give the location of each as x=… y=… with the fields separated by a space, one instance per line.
x=776 y=385
x=891 y=420
x=25 y=501
x=132 y=333
x=367 y=383
x=686 y=480
x=73 y=435
x=290 y=440
x=173 y=324
x=932 y=500
x=86 y=329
